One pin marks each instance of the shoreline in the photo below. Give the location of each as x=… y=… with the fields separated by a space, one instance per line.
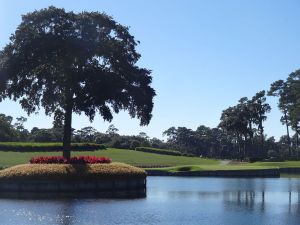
x=250 y=173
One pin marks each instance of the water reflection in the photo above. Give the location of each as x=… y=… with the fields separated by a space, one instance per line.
x=67 y=212
x=175 y=201
x=251 y=200
x=242 y=199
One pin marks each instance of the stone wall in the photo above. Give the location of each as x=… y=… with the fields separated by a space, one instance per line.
x=131 y=187
x=219 y=173
x=290 y=170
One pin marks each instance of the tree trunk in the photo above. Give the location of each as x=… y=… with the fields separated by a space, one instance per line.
x=288 y=134
x=240 y=147
x=297 y=143
x=252 y=151
x=67 y=130
x=262 y=138
x=245 y=146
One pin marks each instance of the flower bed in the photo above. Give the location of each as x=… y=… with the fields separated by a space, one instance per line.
x=72 y=160
x=70 y=172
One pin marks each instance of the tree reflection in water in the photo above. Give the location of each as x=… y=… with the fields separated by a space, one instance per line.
x=254 y=200
x=67 y=212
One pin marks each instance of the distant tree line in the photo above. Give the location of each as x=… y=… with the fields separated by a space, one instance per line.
x=10 y=131
x=239 y=135
x=243 y=123
x=218 y=143
x=204 y=141
x=15 y=132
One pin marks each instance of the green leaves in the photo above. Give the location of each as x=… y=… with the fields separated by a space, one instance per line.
x=288 y=92
x=88 y=58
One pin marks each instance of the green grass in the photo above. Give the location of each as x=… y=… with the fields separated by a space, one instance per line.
x=161 y=151
x=278 y=164
x=117 y=155
x=213 y=168
x=244 y=166
x=144 y=159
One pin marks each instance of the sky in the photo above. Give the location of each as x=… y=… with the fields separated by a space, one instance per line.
x=204 y=56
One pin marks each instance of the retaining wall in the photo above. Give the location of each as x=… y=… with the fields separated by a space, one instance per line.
x=290 y=170
x=119 y=188
x=219 y=173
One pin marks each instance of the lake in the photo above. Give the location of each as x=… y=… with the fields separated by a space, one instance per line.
x=172 y=200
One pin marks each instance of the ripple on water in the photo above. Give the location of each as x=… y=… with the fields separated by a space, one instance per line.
x=171 y=200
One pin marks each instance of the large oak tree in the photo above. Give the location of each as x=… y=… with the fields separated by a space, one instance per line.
x=70 y=62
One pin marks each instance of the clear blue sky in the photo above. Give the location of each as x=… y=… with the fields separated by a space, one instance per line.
x=205 y=55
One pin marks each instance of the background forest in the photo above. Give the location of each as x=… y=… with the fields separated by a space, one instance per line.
x=239 y=135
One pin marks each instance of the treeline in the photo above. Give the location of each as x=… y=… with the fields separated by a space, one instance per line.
x=218 y=143
x=239 y=135
x=15 y=132
x=204 y=141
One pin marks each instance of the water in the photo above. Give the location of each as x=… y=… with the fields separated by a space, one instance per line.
x=172 y=200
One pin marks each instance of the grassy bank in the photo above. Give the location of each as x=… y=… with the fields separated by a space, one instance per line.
x=149 y=160
x=212 y=168
x=284 y=164
x=243 y=166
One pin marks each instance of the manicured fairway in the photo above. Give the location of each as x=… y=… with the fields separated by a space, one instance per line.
x=243 y=166
x=213 y=167
x=279 y=164
x=143 y=159
x=117 y=155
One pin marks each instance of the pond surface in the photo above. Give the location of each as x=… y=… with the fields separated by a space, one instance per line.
x=172 y=200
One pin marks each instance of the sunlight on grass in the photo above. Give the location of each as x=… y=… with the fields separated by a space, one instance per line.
x=146 y=160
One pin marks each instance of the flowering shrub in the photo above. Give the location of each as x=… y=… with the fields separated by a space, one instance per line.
x=72 y=160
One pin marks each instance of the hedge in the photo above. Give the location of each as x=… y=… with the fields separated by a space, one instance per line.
x=34 y=147
x=162 y=151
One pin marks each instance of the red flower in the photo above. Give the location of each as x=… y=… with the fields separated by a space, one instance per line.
x=72 y=160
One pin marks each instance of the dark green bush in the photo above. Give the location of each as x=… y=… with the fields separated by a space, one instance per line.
x=184 y=168
x=48 y=148
x=255 y=159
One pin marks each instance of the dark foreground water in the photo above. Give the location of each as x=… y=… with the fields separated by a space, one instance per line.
x=172 y=200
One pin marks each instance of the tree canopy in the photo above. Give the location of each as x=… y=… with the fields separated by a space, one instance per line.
x=75 y=62
x=288 y=92
x=245 y=120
